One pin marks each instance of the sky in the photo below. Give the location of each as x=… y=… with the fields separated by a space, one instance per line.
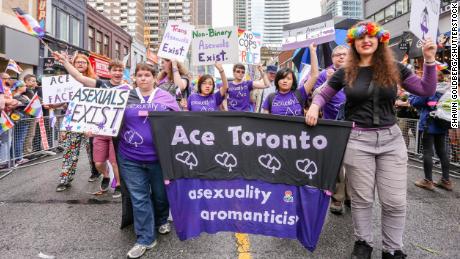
x=222 y=11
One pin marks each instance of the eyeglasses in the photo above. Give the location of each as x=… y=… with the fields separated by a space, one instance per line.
x=239 y=71
x=339 y=54
x=81 y=62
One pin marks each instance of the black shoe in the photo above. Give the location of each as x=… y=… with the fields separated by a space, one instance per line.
x=117 y=192
x=63 y=186
x=361 y=250
x=93 y=177
x=105 y=184
x=398 y=254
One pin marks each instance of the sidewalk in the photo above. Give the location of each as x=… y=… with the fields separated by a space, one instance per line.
x=75 y=224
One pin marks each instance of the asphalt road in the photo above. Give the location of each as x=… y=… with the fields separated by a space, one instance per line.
x=37 y=221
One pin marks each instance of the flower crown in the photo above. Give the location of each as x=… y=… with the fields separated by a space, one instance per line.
x=371 y=29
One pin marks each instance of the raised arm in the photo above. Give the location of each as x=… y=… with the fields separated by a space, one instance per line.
x=86 y=81
x=178 y=80
x=264 y=82
x=314 y=73
x=224 y=87
x=426 y=86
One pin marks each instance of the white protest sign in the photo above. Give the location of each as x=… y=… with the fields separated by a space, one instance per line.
x=59 y=89
x=249 y=44
x=213 y=45
x=424 y=19
x=99 y=111
x=302 y=37
x=176 y=41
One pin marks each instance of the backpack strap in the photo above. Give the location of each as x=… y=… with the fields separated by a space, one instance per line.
x=300 y=98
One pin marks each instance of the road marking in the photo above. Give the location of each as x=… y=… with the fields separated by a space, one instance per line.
x=242 y=242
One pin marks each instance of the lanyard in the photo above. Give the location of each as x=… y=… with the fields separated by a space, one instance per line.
x=152 y=95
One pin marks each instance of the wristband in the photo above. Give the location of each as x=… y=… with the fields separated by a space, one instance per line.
x=432 y=62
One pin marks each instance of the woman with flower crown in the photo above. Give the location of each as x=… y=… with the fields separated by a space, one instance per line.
x=376 y=156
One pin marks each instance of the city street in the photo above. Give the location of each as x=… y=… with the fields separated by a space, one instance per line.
x=37 y=222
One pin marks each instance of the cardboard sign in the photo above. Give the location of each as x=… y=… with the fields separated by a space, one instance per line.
x=99 y=111
x=59 y=89
x=318 y=33
x=424 y=19
x=249 y=44
x=176 y=41
x=213 y=45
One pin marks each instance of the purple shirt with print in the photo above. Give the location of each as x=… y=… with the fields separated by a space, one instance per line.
x=239 y=96
x=209 y=103
x=136 y=138
x=286 y=104
x=331 y=109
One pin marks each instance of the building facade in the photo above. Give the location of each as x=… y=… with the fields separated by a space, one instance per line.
x=201 y=12
x=15 y=42
x=128 y=14
x=241 y=13
x=157 y=15
x=106 y=41
x=264 y=16
x=346 y=8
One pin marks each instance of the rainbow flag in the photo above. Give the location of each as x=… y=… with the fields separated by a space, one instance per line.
x=441 y=66
x=13 y=66
x=30 y=23
x=5 y=123
x=34 y=108
x=17 y=84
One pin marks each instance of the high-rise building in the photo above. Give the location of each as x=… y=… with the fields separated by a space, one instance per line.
x=346 y=8
x=241 y=13
x=202 y=13
x=128 y=14
x=264 y=16
x=157 y=15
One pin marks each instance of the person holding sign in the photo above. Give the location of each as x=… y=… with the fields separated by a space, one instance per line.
x=103 y=145
x=173 y=78
x=239 y=90
x=376 y=155
x=206 y=99
x=288 y=100
x=72 y=140
x=138 y=160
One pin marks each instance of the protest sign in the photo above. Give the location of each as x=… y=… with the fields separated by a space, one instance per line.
x=301 y=37
x=176 y=41
x=215 y=45
x=99 y=111
x=248 y=173
x=424 y=19
x=59 y=89
x=249 y=44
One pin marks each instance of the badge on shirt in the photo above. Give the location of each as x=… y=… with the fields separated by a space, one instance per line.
x=143 y=113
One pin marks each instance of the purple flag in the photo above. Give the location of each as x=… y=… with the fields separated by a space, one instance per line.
x=247 y=206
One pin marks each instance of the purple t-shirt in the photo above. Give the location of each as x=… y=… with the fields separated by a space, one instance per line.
x=199 y=103
x=239 y=96
x=136 y=139
x=286 y=104
x=1 y=87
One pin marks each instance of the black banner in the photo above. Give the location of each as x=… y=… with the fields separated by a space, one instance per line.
x=231 y=145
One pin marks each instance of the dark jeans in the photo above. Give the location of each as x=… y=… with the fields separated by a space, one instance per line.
x=148 y=196
x=439 y=141
x=20 y=133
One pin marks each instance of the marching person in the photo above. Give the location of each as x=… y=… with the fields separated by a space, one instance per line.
x=138 y=160
x=103 y=149
x=288 y=100
x=173 y=79
x=239 y=90
x=73 y=140
x=205 y=99
x=376 y=155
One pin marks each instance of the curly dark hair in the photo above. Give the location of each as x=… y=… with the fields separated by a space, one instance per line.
x=385 y=71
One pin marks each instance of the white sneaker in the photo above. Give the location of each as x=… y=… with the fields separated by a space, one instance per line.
x=138 y=250
x=165 y=228
x=48 y=153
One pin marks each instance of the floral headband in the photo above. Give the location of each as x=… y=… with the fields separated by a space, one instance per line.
x=371 y=29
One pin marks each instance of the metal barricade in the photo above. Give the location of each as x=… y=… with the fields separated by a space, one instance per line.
x=24 y=142
x=413 y=139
